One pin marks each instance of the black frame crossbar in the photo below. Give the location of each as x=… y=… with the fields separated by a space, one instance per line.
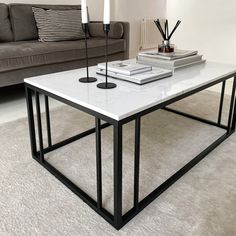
x=118 y=220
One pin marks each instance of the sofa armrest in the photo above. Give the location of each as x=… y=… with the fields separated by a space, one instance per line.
x=119 y=30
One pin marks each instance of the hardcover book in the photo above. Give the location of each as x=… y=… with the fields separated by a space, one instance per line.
x=169 y=56
x=142 y=78
x=125 y=68
x=171 y=64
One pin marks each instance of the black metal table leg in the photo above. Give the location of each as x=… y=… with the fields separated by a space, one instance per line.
x=234 y=114
x=221 y=102
x=48 y=121
x=137 y=161
x=231 y=106
x=118 y=176
x=234 y=117
x=99 y=163
x=40 y=133
x=31 y=120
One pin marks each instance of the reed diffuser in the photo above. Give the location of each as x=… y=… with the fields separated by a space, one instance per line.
x=166 y=47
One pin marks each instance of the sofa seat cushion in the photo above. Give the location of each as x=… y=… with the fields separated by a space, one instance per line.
x=18 y=55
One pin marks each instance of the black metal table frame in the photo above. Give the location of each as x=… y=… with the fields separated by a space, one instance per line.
x=118 y=220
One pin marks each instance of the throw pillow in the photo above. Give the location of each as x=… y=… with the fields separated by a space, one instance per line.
x=58 y=25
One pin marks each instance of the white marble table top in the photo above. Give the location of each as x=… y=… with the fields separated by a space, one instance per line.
x=128 y=99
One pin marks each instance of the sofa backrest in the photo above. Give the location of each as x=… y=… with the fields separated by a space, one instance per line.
x=23 y=22
x=5 y=25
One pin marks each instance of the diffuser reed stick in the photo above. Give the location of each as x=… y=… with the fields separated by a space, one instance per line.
x=165 y=33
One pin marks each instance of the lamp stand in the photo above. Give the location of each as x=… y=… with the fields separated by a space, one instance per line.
x=86 y=79
x=106 y=85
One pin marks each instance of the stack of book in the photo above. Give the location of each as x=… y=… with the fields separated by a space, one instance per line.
x=178 y=59
x=132 y=72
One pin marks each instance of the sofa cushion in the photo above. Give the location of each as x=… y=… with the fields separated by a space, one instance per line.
x=116 y=30
x=23 y=22
x=18 y=55
x=5 y=26
x=58 y=25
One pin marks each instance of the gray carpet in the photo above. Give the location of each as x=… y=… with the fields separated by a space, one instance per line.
x=203 y=202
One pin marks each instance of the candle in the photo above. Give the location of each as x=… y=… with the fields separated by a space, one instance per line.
x=106 y=19
x=84 y=12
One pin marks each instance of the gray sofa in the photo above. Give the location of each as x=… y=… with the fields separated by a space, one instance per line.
x=22 y=55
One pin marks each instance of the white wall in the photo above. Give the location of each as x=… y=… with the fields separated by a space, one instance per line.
x=136 y=10
x=207 y=25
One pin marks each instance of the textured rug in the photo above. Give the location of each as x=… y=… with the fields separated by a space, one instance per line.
x=203 y=202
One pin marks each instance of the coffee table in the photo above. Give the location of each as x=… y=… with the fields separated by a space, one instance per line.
x=117 y=107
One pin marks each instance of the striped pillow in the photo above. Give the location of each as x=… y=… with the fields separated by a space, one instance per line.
x=58 y=25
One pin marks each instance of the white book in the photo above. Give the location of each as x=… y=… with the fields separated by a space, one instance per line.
x=169 y=56
x=125 y=68
x=170 y=63
x=172 y=68
x=143 y=78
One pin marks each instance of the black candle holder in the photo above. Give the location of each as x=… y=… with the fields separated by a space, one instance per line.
x=86 y=79
x=106 y=85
